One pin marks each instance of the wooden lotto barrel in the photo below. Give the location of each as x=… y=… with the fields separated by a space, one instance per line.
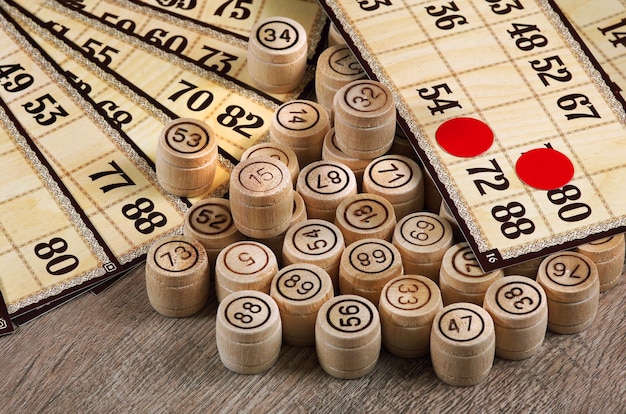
x=398 y=179
x=462 y=344
x=330 y=152
x=461 y=279
x=334 y=37
x=324 y=185
x=408 y=305
x=276 y=150
x=261 y=197
x=177 y=276
x=519 y=309
x=423 y=239
x=277 y=54
x=336 y=67
x=317 y=242
x=209 y=221
x=364 y=215
x=300 y=290
x=348 y=336
x=528 y=268
x=366 y=266
x=186 y=157
x=365 y=119
x=444 y=211
x=572 y=287
x=402 y=146
x=608 y=256
x=301 y=125
x=244 y=265
x=248 y=332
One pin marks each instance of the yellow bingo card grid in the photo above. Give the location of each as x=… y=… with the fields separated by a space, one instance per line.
x=113 y=187
x=505 y=73
x=240 y=117
x=239 y=16
x=206 y=47
x=57 y=250
x=135 y=118
x=602 y=28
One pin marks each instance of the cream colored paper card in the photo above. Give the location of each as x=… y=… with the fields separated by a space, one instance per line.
x=514 y=66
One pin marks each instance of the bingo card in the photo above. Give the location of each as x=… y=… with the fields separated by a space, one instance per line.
x=74 y=210
x=518 y=129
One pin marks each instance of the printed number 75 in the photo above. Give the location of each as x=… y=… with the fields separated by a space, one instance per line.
x=370 y=5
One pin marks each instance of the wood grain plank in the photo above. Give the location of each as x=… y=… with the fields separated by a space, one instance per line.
x=112 y=351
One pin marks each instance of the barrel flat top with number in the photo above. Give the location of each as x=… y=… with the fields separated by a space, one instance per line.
x=175 y=256
x=397 y=177
x=350 y=319
x=516 y=302
x=281 y=152
x=466 y=324
x=366 y=214
x=568 y=276
x=364 y=103
x=300 y=123
x=463 y=273
x=425 y=233
x=341 y=66
x=278 y=40
x=260 y=181
x=331 y=180
x=413 y=300
x=249 y=315
x=314 y=238
x=369 y=263
x=187 y=142
x=536 y=106
x=245 y=259
x=210 y=221
x=302 y=288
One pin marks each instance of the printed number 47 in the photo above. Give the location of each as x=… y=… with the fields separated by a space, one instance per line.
x=453 y=326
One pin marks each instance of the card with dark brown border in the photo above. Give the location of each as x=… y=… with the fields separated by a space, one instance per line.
x=101 y=178
x=505 y=110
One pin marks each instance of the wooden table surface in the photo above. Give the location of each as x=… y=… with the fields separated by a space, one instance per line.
x=113 y=353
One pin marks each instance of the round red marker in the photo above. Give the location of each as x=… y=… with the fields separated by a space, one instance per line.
x=544 y=168
x=464 y=137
